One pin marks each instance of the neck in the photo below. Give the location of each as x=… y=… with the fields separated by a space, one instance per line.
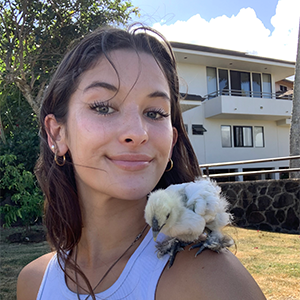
x=109 y=238
x=109 y=226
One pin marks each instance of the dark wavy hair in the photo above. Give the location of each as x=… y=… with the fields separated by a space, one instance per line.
x=62 y=210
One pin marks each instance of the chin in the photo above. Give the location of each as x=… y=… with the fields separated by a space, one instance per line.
x=140 y=189
x=133 y=194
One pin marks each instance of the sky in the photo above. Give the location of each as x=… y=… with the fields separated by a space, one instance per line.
x=267 y=28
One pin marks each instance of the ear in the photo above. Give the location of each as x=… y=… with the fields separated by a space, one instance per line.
x=175 y=137
x=56 y=133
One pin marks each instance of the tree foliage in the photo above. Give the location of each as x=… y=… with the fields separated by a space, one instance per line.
x=19 y=129
x=22 y=197
x=35 y=34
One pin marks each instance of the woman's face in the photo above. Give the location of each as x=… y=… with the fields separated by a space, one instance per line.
x=119 y=130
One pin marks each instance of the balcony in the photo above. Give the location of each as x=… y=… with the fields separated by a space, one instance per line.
x=238 y=104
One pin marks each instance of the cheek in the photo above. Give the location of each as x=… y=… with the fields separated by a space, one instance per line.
x=86 y=135
x=164 y=140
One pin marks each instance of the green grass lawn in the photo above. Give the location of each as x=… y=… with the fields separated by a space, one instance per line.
x=273 y=259
x=13 y=257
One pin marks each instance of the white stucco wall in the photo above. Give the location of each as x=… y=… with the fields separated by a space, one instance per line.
x=196 y=116
x=208 y=147
x=192 y=79
x=283 y=142
x=273 y=109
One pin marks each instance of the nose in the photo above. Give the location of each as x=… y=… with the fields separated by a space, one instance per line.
x=134 y=130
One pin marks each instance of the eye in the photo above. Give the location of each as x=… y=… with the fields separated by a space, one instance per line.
x=102 y=108
x=168 y=216
x=157 y=114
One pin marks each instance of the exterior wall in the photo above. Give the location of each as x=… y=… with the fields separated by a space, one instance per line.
x=196 y=116
x=283 y=141
x=272 y=205
x=208 y=147
x=246 y=107
x=192 y=79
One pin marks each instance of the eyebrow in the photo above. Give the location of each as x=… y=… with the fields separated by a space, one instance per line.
x=100 y=84
x=110 y=87
x=159 y=94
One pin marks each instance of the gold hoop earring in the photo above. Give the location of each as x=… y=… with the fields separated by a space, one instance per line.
x=171 y=165
x=56 y=160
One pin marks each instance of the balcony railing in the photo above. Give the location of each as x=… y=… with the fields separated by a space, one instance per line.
x=207 y=166
x=243 y=93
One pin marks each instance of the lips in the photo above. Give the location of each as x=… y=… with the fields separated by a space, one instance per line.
x=131 y=162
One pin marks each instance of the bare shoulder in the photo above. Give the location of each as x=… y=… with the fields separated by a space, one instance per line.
x=210 y=275
x=30 y=278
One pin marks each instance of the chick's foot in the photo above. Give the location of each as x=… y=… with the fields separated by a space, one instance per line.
x=213 y=242
x=170 y=246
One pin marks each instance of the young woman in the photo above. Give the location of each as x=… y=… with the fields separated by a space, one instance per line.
x=112 y=132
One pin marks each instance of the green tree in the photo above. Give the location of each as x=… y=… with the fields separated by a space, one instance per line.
x=22 y=199
x=19 y=129
x=35 y=34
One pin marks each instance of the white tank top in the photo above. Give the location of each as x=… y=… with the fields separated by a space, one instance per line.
x=138 y=280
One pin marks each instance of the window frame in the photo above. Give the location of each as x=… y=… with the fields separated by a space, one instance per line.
x=240 y=143
x=263 y=87
x=263 y=136
x=230 y=136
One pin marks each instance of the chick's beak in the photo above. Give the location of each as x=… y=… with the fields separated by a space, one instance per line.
x=155 y=234
x=155 y=228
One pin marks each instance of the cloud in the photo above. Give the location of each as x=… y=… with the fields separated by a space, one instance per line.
x=243 y=32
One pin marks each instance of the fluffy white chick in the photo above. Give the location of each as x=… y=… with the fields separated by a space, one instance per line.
x=204 y=198
x=166 y=212
x=184 y=212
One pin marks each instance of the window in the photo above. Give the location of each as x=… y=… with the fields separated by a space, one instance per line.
x=245 y=84
x=283 y=88
x=267 y=90
x=240 y=83
x=256 y=85
x=211 y=77
x=223 y=82
x=226 y=135
x=242 y=136
x=259 y=136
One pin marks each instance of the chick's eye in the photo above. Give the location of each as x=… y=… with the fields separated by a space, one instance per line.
x=157 y=114
x=168 y=216
x=102 y=108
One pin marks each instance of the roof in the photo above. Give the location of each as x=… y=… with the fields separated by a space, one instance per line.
x=233 y=60
x=226 y=52
x=288 y=81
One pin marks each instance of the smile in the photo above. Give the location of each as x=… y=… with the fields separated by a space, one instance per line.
x=131 y=162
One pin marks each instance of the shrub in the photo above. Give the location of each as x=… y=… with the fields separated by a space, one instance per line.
x=23 y=199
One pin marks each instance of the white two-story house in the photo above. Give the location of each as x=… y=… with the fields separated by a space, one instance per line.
x=231 y=109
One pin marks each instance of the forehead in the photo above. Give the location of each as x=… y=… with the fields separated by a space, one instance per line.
x=126 y=67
